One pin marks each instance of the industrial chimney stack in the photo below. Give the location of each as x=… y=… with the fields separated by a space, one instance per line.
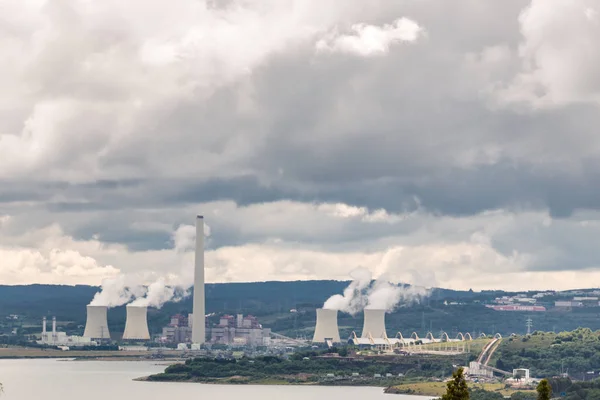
x=96 y=325
x=54 y=336
x=198 y=325
x=327 y=326
x=136 y=324
x=374 y=323
x=44 y=331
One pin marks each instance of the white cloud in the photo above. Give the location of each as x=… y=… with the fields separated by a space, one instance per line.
x=559 y=54
x=292 y=240
x=369 y=40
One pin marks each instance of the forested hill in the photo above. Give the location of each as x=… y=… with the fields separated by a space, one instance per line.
x=261 y=299
x=447 y=310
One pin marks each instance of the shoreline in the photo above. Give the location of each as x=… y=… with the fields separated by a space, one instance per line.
x=16 y=353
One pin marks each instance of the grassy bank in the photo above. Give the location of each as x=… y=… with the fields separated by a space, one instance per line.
x=425 y=388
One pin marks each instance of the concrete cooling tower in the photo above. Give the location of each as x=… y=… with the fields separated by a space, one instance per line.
x=136 y=324
x=96 y=325
x=374 y=323
x=327 y=326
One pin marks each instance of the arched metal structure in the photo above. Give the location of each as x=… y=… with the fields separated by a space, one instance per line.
x=497 y=336
x=468 y=336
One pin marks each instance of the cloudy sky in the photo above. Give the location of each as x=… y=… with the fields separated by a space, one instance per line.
x=454 y=144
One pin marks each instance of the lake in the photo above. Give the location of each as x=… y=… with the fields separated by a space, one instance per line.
x=112 y=380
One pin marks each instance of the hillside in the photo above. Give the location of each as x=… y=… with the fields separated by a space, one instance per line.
x=548 y=354
x=271 y=302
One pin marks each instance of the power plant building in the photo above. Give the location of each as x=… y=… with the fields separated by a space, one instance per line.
x=327 y=326
x=136 y=324
x=60 y=338
x=199 y=325
x=240 y=330
x=179 y=330
x=96 y=325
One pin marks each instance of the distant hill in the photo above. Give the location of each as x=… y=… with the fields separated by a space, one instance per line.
x=271 y=302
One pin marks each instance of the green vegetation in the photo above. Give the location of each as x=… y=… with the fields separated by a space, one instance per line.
x=544 y=390
x=271 y=302
x=310 y=368
x=457 y=387
x=549 y=354
x=478 y=391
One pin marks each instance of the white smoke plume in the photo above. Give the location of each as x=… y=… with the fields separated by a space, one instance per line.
x=118 y=291
x=160 y=292
x=353 y=299
x=381 y=294
x=148 y=289
x=384 y=295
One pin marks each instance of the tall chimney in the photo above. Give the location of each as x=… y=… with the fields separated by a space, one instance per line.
x=198 y=326
x=54 y=338
x=44 y=332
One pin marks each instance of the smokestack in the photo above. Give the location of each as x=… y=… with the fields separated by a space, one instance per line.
x=54 y=329
x=198 y=326
x=96 y=325
x=136 y=324
x=374 y=323
x=44 y=332
x=327 y=326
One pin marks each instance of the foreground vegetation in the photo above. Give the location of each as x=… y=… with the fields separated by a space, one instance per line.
x=550 y=354
x=311 y=368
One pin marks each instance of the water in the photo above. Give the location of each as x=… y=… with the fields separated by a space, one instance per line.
x=112 y=380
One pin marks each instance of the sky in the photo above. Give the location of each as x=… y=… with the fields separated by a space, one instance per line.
x=450 y=144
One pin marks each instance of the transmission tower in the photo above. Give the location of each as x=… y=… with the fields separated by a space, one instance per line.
x=529 y=324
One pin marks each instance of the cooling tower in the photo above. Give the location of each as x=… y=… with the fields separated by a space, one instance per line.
x=198 y=325
x=96 y=325
x=374 y=323
x=136 y=324
x=327 y=326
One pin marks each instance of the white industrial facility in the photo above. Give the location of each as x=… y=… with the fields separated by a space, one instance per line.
x=96 y=325
x=60 y=338
x=136 y=324
x=374 y=324
x=198 y=325
x=327 y=326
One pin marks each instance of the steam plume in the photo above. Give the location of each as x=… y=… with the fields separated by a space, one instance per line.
x=384 y=295
x=148 y=288
x=353 y=299
x=381 y=294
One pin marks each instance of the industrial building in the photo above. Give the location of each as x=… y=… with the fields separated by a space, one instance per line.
x=136 y=324
x=96 y=325
x=179 y=330
x=60 y=338
x=240 y=330
x=326 y=329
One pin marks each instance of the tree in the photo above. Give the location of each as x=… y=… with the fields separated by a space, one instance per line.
x=544 y=390
x=457 y=388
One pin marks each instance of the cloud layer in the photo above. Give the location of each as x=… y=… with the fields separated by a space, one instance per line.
x=438 y=144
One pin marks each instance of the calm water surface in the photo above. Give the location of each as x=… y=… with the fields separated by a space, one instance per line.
x=112 y=380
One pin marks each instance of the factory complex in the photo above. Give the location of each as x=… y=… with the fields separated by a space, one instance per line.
x=192 y=330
